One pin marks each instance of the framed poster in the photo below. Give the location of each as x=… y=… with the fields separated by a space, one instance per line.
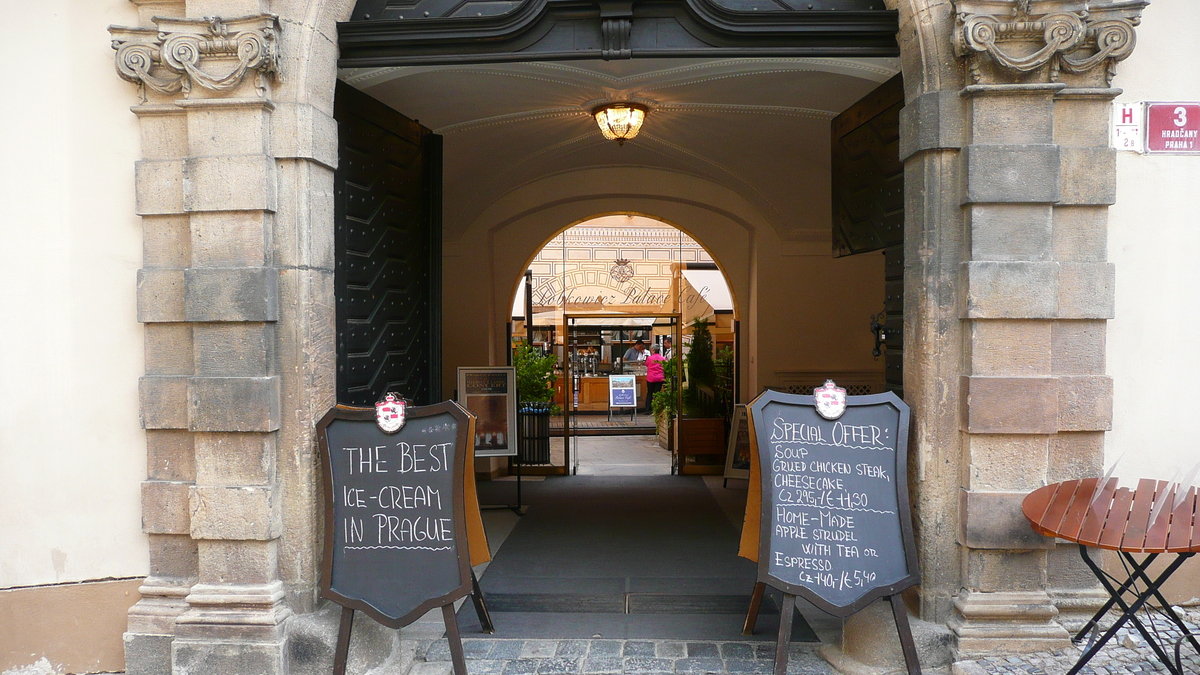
x=490 y=394
x=737 y=457
x=622 y=391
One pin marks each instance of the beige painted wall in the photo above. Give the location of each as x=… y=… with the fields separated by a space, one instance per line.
x=1154 y=240
x=72 y=453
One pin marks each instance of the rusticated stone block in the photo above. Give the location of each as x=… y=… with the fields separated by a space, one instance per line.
x=1085 y=402
x=1016 y=462
x=159 y=187
x=235 y=459
x=994 y=520
x=233 y=403
x=233 y=513
x=1087 y=290
x=315 y=136
x=173 y=555
x=166 y=242
x=1065 y=568
x=231 y=294
x=164 y=402
x=998 y=571
x=302 y=235
x=1010 y=348
x=1082 y=123
x=1081 y=233
x=205 y=657
x=163 y=131
x=1079 y=347
x=1075 y=454
x=160 y=295
x=229 y=183
x=238 y=562
x=169 y=455
x=1089 y=175
x=1012 y=290
x=1012 y=232
x=230 y=239
x=234 y=349
x=228 y=126
x=932 y=121
x=168 y=348
x=147 y=654
x=1011 y=405
x=1013 y=120
x=1012 y=173
x=165 y=507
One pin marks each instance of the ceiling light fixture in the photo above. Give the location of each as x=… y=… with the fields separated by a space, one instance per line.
x=620 y=121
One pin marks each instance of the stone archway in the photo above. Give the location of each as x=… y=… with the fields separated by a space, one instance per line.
x=1008 y=180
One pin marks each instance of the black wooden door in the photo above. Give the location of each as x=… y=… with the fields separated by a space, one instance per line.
x=388 y=242
x=868 y=203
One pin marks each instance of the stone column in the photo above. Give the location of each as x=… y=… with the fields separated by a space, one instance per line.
x=1036 y=291
x=208 y=294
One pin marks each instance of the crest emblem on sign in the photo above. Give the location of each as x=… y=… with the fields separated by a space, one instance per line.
x=389 y=413
x=830 y=400
x=621 y=271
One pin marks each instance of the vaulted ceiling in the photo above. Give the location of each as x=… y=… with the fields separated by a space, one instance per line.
x=759 y=127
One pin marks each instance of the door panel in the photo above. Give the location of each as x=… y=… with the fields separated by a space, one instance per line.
x=868 y=202
x=387 y=239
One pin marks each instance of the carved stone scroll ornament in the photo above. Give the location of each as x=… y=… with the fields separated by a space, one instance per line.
x=211 y=53
x=1026 y=35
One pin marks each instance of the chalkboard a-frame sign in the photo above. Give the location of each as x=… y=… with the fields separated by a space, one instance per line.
x=835 y=526
x=395 y=517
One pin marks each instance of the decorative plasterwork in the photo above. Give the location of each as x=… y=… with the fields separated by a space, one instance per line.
x=1027 y=35
x=213 y=53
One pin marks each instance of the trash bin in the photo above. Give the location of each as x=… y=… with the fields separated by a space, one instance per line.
x=533 y=422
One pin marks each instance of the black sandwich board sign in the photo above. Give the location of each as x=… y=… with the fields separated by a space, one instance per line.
x=835 y=527
x=395 y=515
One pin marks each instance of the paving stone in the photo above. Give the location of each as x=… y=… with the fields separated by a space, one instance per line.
x=606 y=647
x=703 y=650
x=559 y=665
x=572 y=648
x=639 y=648
x=671 y=650
x=522 y=666
x=749 y=666
x=477 y=649
x=699 y=665
x=603 y=664
x=534 y=649
x=438 y=651
x=432 y=668
x=644 y=664
x=737 y=650
x=764 y=650
x=507 y=649
x=484 y=666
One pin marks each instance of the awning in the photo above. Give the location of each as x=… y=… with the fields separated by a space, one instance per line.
x=712 y=287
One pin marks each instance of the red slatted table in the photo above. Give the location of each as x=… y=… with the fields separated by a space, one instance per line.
x=1155 y=518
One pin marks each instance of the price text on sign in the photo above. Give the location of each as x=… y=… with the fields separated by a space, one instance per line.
x=395 y=526
x=835 y=510
x=1173 y=127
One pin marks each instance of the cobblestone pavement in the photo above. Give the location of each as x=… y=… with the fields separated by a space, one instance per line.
x=610 y=657
x=1127 y=652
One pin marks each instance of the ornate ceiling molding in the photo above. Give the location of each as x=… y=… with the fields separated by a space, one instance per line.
x=212 y=53
x=1024 y=36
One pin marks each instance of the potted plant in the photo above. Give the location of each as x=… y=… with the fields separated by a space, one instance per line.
x=701 y=430
x=535 y=374
x=665 y=403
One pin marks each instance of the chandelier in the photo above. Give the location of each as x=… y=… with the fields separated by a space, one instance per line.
x=620 y=121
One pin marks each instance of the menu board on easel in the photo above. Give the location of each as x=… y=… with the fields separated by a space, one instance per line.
x=834 y=521
x=737 y=456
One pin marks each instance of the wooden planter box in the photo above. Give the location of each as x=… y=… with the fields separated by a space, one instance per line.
x=701 y=438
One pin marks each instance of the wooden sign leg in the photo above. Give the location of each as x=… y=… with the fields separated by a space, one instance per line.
x=343 y=644
x=485 y=619
x=785 y=634
x=455 y=640
x=900 y=612
x=755 y=603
